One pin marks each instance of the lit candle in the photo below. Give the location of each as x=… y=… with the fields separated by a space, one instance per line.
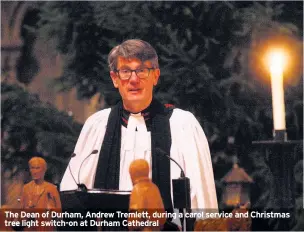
x=278 y=105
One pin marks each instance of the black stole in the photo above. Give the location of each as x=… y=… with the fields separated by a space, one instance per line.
x=107 y=173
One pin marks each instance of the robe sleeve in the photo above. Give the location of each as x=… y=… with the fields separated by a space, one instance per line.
x=90 y=138
x=198 y=165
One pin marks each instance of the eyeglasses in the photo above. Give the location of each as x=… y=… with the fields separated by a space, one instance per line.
x=142 y=73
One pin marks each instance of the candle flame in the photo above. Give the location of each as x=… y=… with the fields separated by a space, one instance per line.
x=276 y=61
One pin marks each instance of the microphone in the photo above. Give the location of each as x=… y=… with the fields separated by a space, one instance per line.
x=181 y=192
x=73 y=155
x=83 y=187
x=164 y=153
x=181 y=186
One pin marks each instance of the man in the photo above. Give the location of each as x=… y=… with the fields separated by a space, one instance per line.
x=139 y=127
x=39 y=195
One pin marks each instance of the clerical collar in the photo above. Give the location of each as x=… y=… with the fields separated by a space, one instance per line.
x=145 y=113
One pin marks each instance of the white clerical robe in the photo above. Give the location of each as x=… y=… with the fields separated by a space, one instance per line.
x=189 y=148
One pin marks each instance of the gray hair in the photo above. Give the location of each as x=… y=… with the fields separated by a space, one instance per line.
x=133 y=48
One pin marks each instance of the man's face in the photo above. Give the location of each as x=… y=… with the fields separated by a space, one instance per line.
x=135 y=90
x=37 y=170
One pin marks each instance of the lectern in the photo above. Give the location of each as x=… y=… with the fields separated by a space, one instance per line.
x=95 y=201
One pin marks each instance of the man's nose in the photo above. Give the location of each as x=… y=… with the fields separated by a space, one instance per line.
x=134 y=78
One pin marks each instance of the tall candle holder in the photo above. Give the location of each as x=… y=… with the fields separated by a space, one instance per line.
x=281 y=158
x=280 y=152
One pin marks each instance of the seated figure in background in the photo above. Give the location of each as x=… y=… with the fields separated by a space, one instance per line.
x=39 y=195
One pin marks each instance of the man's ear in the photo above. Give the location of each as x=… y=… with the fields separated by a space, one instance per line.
x=156 y=76
x=114 y=78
